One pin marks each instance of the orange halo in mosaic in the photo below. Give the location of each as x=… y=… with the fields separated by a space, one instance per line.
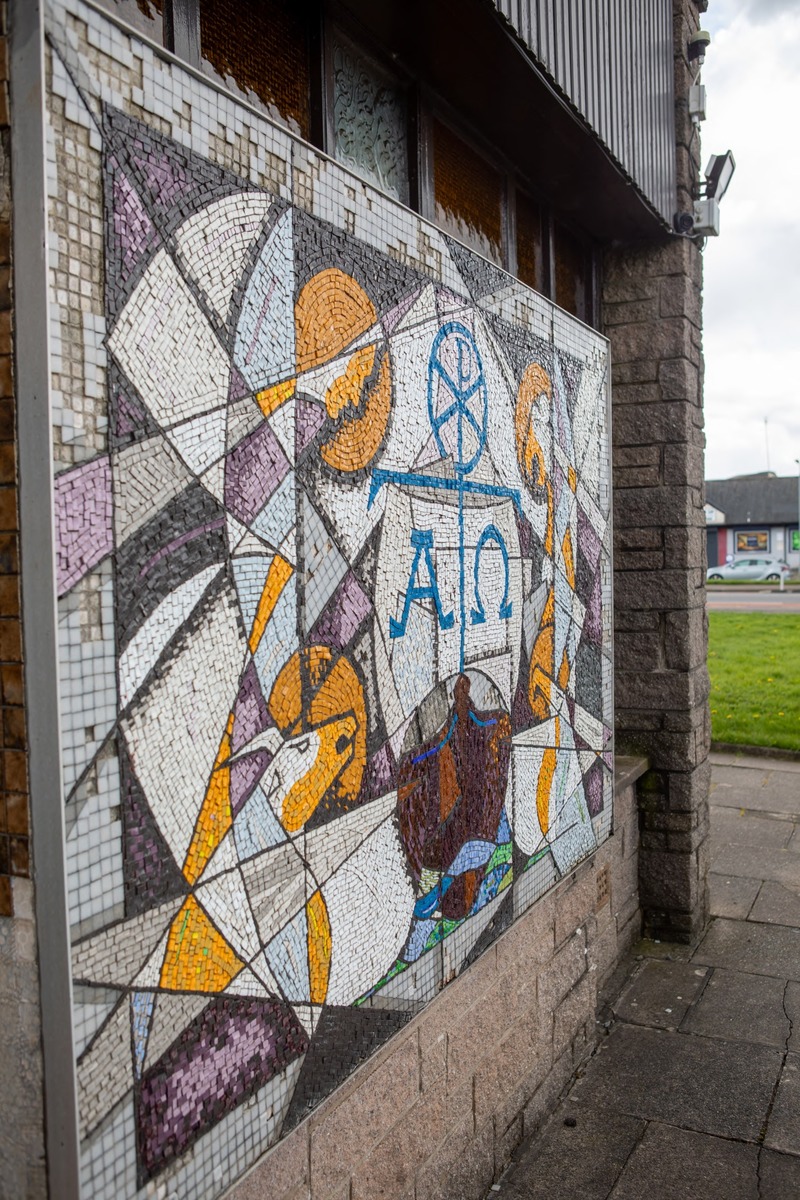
x=331 y=312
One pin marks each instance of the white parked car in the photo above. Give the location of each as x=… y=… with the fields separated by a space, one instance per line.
x=755 y=569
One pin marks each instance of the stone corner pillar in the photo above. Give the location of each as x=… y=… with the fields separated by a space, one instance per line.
x=652 y=313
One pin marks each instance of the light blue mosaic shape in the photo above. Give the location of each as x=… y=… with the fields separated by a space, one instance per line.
x=265 y=338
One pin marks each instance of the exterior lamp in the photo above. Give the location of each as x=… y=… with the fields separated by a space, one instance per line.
x=718 y=175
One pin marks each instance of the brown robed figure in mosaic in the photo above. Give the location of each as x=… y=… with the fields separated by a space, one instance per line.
x=451 y=792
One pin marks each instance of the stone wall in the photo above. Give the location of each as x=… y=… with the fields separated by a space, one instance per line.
x=653 y=316
x=438 y=1113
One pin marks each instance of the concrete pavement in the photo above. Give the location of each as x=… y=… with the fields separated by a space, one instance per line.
x=695 y=1092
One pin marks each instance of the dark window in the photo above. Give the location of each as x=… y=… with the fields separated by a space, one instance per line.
x=261 y=46
x=370 y=122
x=468 y=193
x=572 y=274
x=530 y=243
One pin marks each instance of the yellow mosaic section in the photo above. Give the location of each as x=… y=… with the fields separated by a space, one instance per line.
x=198 y=958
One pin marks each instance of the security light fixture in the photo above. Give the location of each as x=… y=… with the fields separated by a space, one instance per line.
x=705 y=215
x=719 y=173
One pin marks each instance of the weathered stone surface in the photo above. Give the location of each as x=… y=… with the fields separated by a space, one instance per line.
x=685 y=548
x=635 y=538
x=667 y=504
x=679 y=380
x=779 y=865
x=23 y=1174
x=561 y=975
x=673 y=1164
x=388 y=1173
x=644 y=418
x=631 y=650
x=282 y=1172
x=575 y=900
x=686 y=638
x=679 y=296
x=702 y=1084
x=575 y=1012
x=582 y=1161
x=623 y=312
x=780 y=1175
x=731 y=895
x=740 y=1007
x=361 y=1118
x=747 y=946
x=660 y=994
x=737 y=827
x=783 y=1129
x=462 y=1166
x=670 y=879
x=543 y=1100
x=791 y=1004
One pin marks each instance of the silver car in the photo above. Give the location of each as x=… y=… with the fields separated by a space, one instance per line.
x=755 y=569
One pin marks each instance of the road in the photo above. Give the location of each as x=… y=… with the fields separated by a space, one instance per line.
x=744 y=601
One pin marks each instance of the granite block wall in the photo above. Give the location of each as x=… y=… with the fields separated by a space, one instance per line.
x=652 y=312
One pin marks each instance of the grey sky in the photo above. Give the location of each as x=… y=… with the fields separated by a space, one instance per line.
x=752 y=271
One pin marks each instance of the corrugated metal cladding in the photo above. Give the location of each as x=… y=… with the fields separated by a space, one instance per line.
x=613 y=60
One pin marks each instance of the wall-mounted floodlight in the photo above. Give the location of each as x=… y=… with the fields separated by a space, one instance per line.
x=719 y=173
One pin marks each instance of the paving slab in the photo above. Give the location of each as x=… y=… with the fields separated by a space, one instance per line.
x=747 y=946
x=776 y=905
x=791 y=1002
x=754 y=762
x=754 y=862
x=738 y=774
x=710 y=1086
x=674 y=1164
x=741 y=1007
x=779 y=798
x=743 y=827
x=582 y=1162
x=660 y=993
x=663 y=951
x=783 y=1128
x=780 y=1176
x=732 y=895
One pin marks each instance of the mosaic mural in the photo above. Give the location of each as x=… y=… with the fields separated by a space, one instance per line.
x=335 y=652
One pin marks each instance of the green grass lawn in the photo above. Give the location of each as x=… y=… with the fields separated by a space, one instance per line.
x=754 y=662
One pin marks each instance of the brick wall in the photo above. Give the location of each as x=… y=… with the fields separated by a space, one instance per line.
x=652 y=314
x=439 y=1112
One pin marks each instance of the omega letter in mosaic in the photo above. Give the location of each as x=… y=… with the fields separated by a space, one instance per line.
x=332 y=517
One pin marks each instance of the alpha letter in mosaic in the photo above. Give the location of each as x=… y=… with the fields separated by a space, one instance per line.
x=336 y=686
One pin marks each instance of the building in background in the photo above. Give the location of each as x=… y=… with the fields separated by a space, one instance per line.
x=312 y=315
x=752 y=514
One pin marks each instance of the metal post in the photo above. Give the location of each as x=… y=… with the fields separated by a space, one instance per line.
x=37 y=558
x=797 y=460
